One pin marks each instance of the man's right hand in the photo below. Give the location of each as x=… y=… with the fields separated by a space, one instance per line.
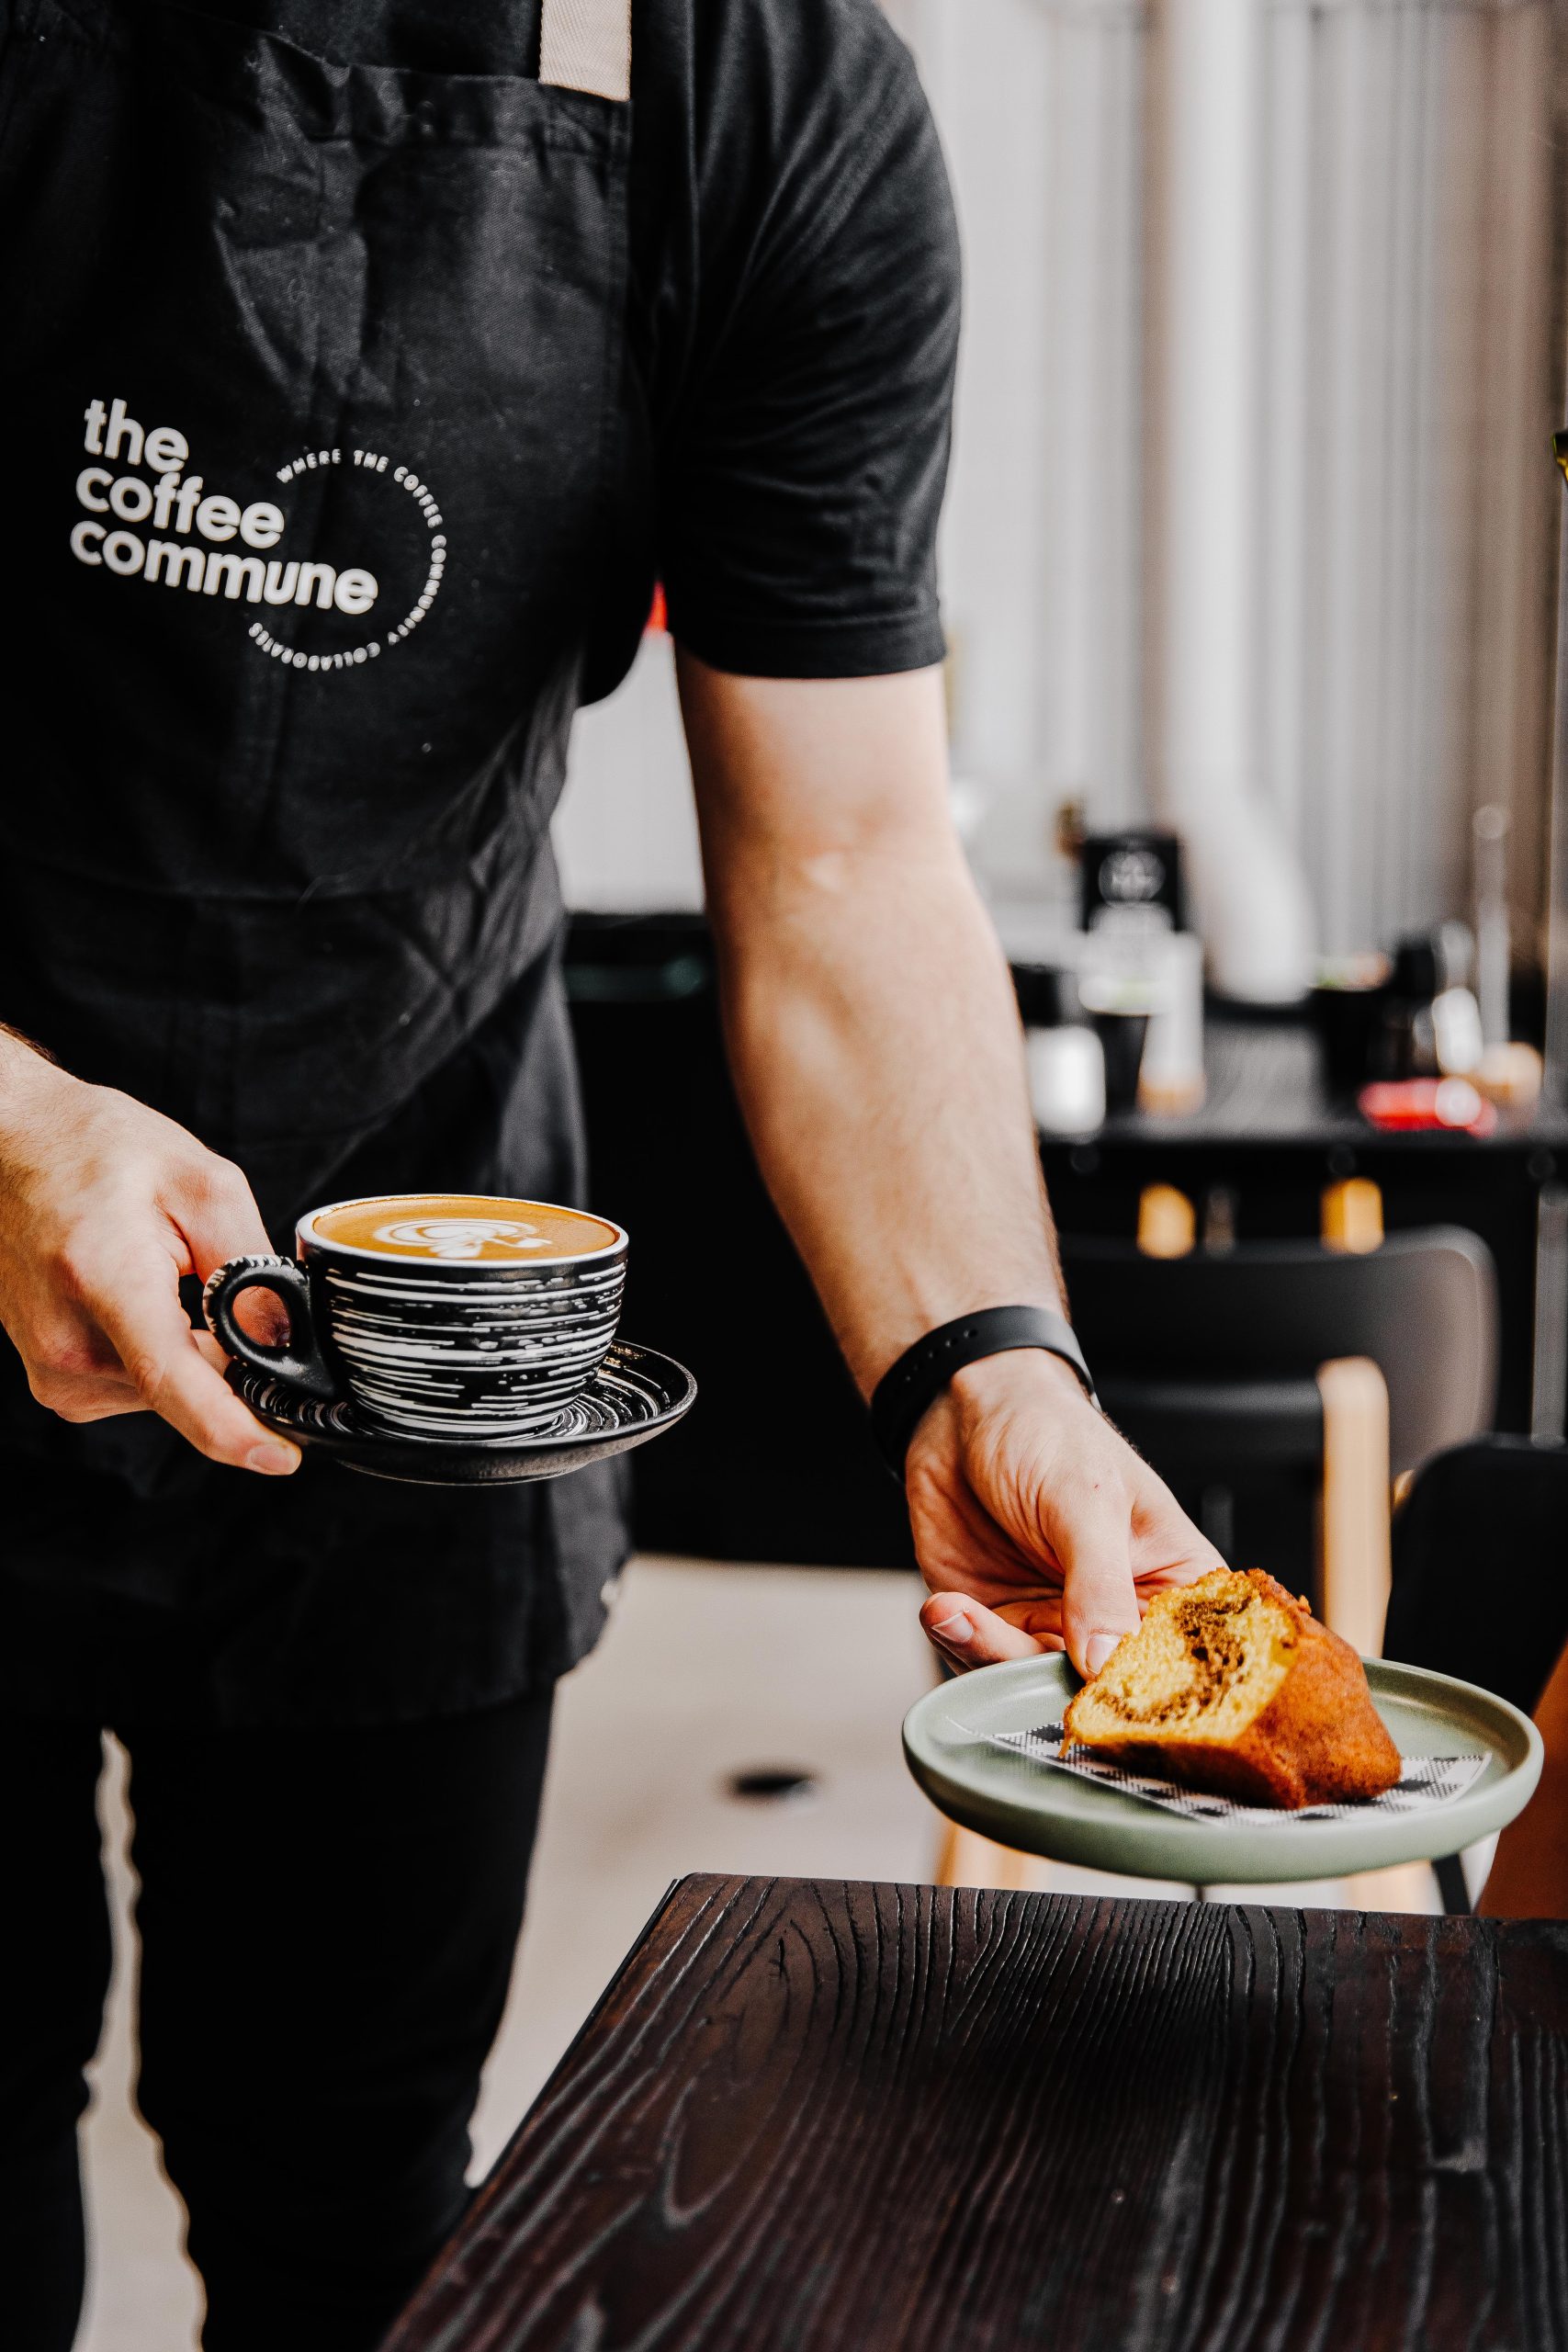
x=104 y=1205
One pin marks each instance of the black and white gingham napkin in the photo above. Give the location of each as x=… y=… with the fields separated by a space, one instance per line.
x=1426 y=1781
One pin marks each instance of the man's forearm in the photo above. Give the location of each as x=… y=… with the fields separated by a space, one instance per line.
x=871 y=1023
x=876 y=1048
x=875 y=1045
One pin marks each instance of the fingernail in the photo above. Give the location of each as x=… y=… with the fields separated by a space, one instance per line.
x=954 y=1633
x=1098 y=1649
x=274 y=1461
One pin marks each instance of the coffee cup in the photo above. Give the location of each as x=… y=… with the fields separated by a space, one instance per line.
x=448 y=1316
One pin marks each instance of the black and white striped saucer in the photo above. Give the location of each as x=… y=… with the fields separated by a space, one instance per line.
x=636 y=1394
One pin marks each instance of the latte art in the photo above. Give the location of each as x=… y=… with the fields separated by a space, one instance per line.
x=460 y=1229
x=457 y=1237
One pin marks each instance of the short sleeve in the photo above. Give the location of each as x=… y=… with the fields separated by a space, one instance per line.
x=802 y=477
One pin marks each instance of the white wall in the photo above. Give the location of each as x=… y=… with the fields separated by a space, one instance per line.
x=1040 y=109
x=626 y=833
x=1397 y=388
x=1408 y=508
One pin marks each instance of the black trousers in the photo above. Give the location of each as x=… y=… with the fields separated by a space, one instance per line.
x=328 y=1920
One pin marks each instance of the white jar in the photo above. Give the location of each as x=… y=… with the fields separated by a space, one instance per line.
x=1067 y=1080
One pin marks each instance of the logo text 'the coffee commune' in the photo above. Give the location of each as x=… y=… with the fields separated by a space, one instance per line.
x=148 y=518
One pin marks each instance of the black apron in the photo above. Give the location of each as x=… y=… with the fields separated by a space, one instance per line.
x=311 y=378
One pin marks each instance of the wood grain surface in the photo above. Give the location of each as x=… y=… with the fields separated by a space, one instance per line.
x=815 y=2115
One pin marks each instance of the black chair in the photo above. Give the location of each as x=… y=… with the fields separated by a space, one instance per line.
x=1480 y=1576
x=1215 y=1365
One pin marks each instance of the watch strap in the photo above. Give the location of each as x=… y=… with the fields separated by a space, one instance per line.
x=923 y=1371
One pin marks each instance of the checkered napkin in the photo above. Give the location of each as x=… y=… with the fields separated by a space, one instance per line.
x=1426 y=1781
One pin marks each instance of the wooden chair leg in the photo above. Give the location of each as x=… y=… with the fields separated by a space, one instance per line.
x=966 y=1859
x=1403 y=1886
x=1356 y=1568
x=1448 y=1872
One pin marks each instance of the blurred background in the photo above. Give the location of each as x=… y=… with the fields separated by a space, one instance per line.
x=1252 y=586
x=1248 y=508
x=1250 y=574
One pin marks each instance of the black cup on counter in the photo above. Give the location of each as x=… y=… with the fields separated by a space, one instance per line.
x=1047 y=996
x=1348 y=1004
x=1123 y=1037
x=1119 y=1009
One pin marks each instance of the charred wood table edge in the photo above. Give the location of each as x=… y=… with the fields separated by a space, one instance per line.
x=811 y=2114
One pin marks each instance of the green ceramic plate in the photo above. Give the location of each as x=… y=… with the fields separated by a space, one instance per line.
x=1024 y=1803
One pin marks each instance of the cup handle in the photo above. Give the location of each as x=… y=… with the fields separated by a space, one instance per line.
x=300 y=1361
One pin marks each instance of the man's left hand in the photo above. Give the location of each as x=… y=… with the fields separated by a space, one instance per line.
x=1037 y=1525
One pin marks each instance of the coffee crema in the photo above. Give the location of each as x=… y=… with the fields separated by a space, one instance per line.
x=463 y=1228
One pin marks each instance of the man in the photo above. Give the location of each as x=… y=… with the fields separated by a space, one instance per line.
x=367 y=364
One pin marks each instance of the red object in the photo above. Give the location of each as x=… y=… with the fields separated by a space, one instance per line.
x=1406 y=1104
x=657 y=620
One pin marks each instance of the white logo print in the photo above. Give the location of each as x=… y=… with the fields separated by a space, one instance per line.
x=184 y=546
x=461 y=1237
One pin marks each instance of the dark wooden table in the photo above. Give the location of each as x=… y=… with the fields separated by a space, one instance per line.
x=809 y=2115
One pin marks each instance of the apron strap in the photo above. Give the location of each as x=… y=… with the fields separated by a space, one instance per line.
x=587 y=45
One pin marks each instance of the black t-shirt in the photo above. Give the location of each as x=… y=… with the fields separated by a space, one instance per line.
x=779 y=450
x=792 y=318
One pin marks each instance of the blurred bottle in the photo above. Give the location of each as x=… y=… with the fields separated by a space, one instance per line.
x=1456 y=1016
x=1506 y=1071
x=1172 y=1080
x=1429 y=1024
x=1492 y=941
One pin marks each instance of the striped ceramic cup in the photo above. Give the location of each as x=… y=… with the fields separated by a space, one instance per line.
x=443 y=1316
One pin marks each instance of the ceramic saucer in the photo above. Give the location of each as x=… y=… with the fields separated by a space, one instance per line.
x=636 y=1394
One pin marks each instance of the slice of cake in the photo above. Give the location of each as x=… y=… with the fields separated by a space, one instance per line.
x=1233 y=1686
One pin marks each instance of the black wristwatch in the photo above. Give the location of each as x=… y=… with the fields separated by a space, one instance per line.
x=923 y=1371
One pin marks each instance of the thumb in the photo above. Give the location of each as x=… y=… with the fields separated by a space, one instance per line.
x=1100 y=1600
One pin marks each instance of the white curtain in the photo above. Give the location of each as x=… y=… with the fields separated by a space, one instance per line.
x=1401 y=382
